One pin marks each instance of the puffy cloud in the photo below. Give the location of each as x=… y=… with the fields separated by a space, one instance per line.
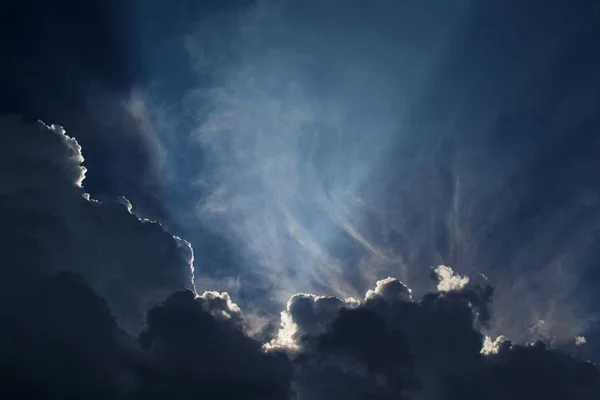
x=580 y=340
x=307 y=314
x=391 y=290
x=220 y=305
x=210 y=356
x=430 y=348
x=493 y=346
x=449 y=280
x=50 y=224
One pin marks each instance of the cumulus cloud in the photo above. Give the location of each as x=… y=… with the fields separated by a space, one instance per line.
x=432 y=348
x=210 y=356
x=220 y=305
x=449 y=280
x=307 y=314
x=493 y=346
x=51 y=224
x=61 y=341
x=391 y=290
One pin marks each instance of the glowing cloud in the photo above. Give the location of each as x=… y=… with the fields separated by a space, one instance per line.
x=449 y=280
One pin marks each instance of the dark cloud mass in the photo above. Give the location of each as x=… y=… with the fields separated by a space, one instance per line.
x=49 y=224
x=431 y=349
x=59 y=340
x=211 y=357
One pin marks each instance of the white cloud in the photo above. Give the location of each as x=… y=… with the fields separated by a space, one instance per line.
x=391 y=290
x=307 y=314
x=449 y=280
x=580 y=340
x=492 y=346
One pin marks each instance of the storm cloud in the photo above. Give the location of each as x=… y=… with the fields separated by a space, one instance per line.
x=50 y=224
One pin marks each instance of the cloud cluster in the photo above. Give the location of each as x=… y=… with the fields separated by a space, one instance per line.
x=78 y=274
x=430 y=348
x=209 y=356
x=307 y=314
x=393 y=344
x=61 y=341
x=79 y=277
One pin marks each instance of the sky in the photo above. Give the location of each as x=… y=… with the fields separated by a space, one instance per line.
x=281 y=199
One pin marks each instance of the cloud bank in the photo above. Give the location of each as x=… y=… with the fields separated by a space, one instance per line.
x=65 y=335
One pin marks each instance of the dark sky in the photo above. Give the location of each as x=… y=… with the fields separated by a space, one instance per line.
x=280 y=152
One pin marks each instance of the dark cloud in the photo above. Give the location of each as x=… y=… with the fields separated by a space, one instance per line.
x=59 y=340
x=307 y=314
x=394 y=345
x=526 y=372
x=390 y=290
x=431 y=348
x=50 y=224
x=208 y=356
x=359 y=357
